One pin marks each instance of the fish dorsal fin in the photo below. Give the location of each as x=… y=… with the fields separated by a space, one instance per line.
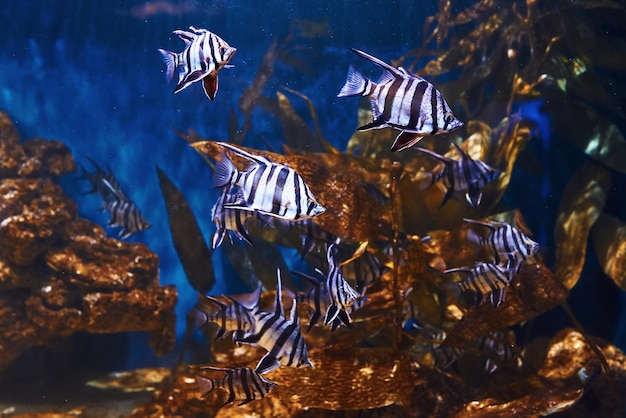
x=113 y=189
x=248 y=300
x=255 y=158
x=481 y=223
x=386 y=77
x=380 y=63
x=462 y=153
x=435 y=155
x=278 y=302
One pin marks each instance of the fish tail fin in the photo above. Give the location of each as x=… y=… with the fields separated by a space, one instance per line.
x=224 y=173
x=170 y=64
x=205 y=385
x=356 y=83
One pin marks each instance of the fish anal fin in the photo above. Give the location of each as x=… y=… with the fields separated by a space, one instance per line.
x=267 y=364
x=405 y=140
x=210 y=85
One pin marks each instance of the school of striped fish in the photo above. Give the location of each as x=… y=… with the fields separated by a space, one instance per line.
x=255 y=192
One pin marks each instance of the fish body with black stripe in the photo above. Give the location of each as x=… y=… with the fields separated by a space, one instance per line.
x=122 y=210
x=281 y=337
x=205 y=54
x=240 y=383
x=401 y=100
x=231 y=314
x=505 y=244
x=485 y=280
x=465 y=175
x=266 y=187
x=229 y=219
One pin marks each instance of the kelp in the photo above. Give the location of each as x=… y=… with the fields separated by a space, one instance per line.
x=609 y=241
x=188 y=240
x=581 y=204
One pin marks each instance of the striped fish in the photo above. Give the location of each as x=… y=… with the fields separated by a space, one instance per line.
x=270 y=188
x=122 y=211
x=318 y=298
x=485 y=280
x=204 y=55
x=443 y=357
x=464 y=175
x=507 y=245
x=229 y=219
x=281 y=337
x=499 y=349
x=341 y=294
x=401 y=100
x=231 y=314
x=240 y=383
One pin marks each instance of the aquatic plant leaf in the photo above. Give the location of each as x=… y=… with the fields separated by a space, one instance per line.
x=589 y=131
x=257 y=264
x=192 y=250
x=609 y=241
x=298 y=136
x=581 y=204
x=336 y=181
x=248 y=99
x=533 y=291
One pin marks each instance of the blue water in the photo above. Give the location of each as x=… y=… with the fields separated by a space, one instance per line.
x=88 y=74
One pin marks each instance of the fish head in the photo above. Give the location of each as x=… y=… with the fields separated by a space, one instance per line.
x=530 y=247
x=314 y=208
x=450 y=122
x=227 y=53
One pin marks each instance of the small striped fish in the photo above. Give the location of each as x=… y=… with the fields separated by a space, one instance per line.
x=319 y=300
x=229 y=219
x=507 y=245
x=240 y=383
x=464 y=175
x=122 y=211
x=231 y=314
x=485 y=280
x=204 y=55
x=498 y=348
x=443 y=357
x=401 y=100
x=281 y=337
x=270 y=188
x=341 y=294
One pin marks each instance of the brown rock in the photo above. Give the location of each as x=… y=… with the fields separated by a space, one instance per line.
x=60 y=274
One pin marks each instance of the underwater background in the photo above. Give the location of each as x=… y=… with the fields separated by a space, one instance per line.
x=89 y=74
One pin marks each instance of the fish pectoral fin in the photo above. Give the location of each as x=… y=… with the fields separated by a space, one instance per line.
x=474 y=196
x=376 y=123
x=209 y=83
x=267 y=364
x=405 y=140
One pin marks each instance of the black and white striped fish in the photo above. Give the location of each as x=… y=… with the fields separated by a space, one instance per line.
x=485 y=280
x=122 y=211
x=507 y=245
x=319 y=300
x=401 y=100
x=204 y=55
x=271 y=188
x=281 y=337
x=232 y=314
x=464 y=175
x=240 y=383
x=229 y=219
